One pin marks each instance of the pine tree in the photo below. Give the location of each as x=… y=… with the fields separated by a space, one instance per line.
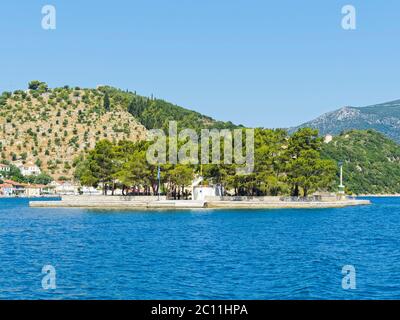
x=106 y=102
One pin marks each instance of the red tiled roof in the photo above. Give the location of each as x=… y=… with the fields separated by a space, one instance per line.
x=14 y=183
x=26 y=185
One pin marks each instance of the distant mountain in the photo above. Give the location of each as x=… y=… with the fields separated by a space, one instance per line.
x=384 y=118
x=371 y=161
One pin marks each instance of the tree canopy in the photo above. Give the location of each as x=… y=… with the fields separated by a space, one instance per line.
x=284 y=165
x=370 y=161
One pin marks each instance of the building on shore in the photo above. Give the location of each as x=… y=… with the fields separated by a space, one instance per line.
x=28 y=169
x=91 y=191
x=12 y=188
x=200 y=192
x=34 y=190
x=17 y=188
x=64 y=188
x=6 y=189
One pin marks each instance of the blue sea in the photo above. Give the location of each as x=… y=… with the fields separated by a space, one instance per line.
x=211 y=254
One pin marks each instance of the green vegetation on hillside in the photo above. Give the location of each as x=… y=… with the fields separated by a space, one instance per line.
x=50 y=126
x=156 y=114
x=53 y=126
x=371 y=161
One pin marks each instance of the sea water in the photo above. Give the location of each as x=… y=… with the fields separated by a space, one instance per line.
x=200 y=254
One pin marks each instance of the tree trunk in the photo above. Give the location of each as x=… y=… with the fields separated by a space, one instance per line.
x=295 y=192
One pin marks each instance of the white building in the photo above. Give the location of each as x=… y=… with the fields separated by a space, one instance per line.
x=200 y=192
x=328 y=138
x=28 y=169
x=6 y=189
x=90 y=191
x=34 y=190
x=64 y=188
x=4 y=168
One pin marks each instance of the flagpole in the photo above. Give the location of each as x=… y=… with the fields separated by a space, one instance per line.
x=158 y=176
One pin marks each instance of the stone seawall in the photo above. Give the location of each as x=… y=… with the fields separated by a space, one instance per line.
x=134 y=203
x=284 y=204
x=102 y=198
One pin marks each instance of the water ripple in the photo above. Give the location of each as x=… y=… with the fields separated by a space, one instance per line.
x=263 y=254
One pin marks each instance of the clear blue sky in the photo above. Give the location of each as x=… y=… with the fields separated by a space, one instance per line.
x=259 y=63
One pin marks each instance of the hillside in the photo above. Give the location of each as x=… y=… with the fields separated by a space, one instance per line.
x=371 y=161
x=384 y=118
x=50 y=127
x=156 y=113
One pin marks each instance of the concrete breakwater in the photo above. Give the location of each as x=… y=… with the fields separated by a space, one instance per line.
x=152 y=202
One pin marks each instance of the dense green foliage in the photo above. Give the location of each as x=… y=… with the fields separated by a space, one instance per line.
x=3 y=98
x=371 y=161
x=106 y=102
x=37 y=85
x=156 y=113
x=283 y=166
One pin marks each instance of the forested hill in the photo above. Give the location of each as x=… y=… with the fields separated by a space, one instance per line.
x=51 y=126
x=157 y=113
x=371 y=161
